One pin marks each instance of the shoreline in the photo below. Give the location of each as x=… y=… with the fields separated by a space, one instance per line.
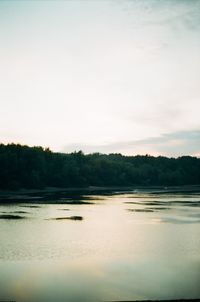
x=52 y=193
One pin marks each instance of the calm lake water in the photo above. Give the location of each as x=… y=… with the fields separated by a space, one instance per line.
x=129 y=246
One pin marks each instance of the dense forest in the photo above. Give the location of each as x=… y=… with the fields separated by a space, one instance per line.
x=36 y=167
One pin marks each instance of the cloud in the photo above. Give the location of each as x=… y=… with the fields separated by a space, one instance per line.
x=170 y=144
x=100 y=72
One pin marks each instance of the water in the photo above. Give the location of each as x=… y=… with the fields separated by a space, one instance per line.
x=128 y=246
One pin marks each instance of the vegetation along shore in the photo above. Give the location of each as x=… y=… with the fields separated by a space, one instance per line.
x=24 y=167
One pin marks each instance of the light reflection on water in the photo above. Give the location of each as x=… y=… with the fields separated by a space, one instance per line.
x=127 y=247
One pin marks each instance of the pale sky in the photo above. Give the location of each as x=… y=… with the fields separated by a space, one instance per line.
x=107 y=76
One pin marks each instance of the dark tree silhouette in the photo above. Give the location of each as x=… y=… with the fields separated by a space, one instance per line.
x=35 y=167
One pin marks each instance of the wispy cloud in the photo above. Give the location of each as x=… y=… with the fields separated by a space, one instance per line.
x=170 y=144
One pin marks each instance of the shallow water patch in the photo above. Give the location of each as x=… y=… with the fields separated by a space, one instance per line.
x=7 y=216
x=68 y=218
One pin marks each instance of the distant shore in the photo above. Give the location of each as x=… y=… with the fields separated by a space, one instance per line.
x=38 y=168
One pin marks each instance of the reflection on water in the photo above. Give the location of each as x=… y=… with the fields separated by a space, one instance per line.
x=131 y=246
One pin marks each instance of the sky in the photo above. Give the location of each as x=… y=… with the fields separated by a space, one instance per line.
x=105 y=76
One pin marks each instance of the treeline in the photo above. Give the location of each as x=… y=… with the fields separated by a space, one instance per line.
x=36 y=167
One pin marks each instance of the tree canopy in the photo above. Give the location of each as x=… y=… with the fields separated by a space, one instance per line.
x=36 y=167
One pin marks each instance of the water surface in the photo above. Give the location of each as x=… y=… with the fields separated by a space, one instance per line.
x=126 y=246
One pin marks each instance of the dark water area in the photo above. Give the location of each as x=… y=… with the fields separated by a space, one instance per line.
x=104 y=245
x=85 y=195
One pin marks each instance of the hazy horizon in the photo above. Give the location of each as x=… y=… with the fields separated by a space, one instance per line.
x=101 y=76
